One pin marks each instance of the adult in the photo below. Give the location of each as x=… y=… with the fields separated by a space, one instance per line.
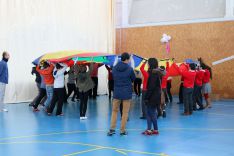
x=47 y=72
x=123 y=76
x=110 y=80
x=3 y=78
x=152 y=97
x=58 y=94
x=71 y=84
x=85 y=84
x=94 y=75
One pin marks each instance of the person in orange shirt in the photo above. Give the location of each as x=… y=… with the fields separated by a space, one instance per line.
x=46 y=70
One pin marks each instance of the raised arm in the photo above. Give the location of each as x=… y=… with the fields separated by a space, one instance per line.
x=142 y=69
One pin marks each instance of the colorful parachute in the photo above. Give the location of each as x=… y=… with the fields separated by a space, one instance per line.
x=73 y=57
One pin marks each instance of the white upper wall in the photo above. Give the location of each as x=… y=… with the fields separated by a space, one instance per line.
x=152 y=11
x=132 y=13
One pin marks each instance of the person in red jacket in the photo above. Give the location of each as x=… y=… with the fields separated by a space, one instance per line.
x=189 y=79
x=206 y=87
x=145 y=75
x=197 y=93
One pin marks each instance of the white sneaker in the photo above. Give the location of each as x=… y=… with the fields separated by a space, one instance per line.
x=85 y=117
x=81 y=118
x=4 y=110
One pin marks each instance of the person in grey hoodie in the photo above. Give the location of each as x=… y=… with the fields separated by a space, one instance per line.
x=85 y=84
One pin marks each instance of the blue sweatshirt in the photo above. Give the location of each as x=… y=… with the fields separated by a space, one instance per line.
x=123 y=76
x=3 y=72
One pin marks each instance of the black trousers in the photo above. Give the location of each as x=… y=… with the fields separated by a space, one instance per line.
x=84 y=96
x=188 y=100
x=71 y=88
x=197 y=96
x=65 y=94
x=169 y=96
x=137 y=86
x=143 y=106
x=181 y=93
x=164 y=90
x=93 y=92
x=58 y=97
x=110 y=87
x=42 y=94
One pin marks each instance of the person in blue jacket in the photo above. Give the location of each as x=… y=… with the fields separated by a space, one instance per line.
x=123 y=76
x=3 y=78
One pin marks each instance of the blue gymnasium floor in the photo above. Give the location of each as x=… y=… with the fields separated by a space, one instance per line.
x=206 y=133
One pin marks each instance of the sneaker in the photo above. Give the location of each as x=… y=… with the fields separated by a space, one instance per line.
x=147 y=132
x=4 y=110
x=154 y=132
x=85 y=118
x=201 y=108
x=49 y=114
x=143 y=117
x=111 y=132
x=81 y=118
x=123 y=133
x=36 y=110
x=186 y=113
x=60 y=114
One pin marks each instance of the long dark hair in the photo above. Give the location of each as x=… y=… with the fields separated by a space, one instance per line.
x=205 y=66
x=153 y=63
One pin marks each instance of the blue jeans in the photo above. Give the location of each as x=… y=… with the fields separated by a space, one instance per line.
x=49 y=93
x=151 y=116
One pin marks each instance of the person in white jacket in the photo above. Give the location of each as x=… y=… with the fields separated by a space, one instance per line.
x=58 y=95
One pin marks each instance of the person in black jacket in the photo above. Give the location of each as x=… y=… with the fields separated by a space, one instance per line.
x=38 y=82
x=152 y=97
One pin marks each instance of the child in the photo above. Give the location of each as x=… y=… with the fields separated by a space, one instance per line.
x=152 y=97
x=58 y=95
x=145 y=81
x=181 y=91
x=188 y=85
x=206 y=87
x=85 y=84
x=197 y=93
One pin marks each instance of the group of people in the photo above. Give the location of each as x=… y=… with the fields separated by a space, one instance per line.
x=83 y=82
x=195 y=83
